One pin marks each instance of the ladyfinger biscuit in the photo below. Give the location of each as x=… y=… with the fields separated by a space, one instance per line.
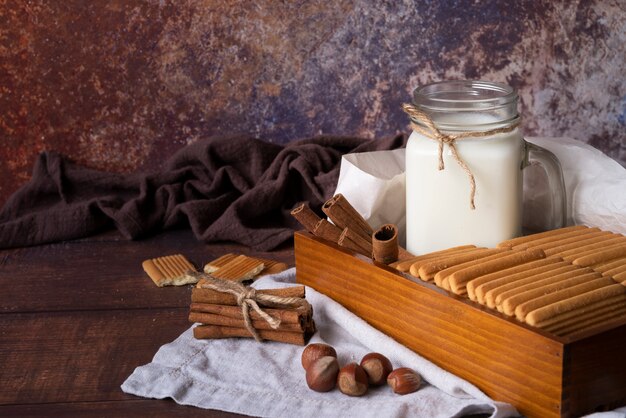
x=547 y=285
x=615 y=271
x=574 y=304
x=219 y=262
x=523 y=303
x=580 y=242
x=493 y=297
x=609 y=253
x=442 y=274
x=169 y=270
x=428 y=269
x=574 y=238
x=609 y=265
x=415 y=266
x=405 y=265
x=526 y=268
x=567 y=324
x=567 y=318
x=472 y=253
x=527 y=238
x=608 y=317
x=459 y=279
x=594 y=316
x=508 y=301
x=555 y=240
x=571 y=255
x=482 y=289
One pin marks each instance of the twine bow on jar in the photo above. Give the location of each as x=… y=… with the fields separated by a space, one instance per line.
x=430 y=130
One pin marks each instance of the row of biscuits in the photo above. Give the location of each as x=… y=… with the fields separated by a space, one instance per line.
x=583 y=246
x=558 y=280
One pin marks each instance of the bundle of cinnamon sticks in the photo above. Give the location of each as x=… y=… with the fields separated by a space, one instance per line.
x=350 y=230
x=220 y=316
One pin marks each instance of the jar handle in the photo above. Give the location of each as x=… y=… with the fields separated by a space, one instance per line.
x=536 y=155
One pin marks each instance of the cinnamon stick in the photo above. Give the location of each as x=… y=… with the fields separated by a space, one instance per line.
x=258 y=324
x=217 y=332
x=290 y=316
x=344 y=215
x=326 y=230
x=385 y=243
x=199 y=294
x=305 y=215
x=355 y=242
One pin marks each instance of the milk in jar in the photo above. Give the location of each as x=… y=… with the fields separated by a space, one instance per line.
x=438 y=211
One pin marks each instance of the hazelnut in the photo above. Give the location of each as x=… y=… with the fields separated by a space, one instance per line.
x=321 y=376
x=352 y=380
x=404 y=381
x=377 y=367
x=314 y=351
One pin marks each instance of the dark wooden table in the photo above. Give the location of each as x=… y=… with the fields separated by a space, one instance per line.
x=77 y=317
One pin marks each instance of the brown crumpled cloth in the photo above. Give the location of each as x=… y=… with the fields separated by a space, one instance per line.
x=227 y=189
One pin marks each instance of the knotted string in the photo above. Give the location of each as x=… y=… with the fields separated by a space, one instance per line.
x=247 y=298
x=430 y=130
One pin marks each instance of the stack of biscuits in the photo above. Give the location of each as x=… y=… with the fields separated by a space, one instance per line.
x=172 y=270
x=564 y=281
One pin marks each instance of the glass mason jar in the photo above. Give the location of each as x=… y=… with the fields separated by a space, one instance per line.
x=438 y=210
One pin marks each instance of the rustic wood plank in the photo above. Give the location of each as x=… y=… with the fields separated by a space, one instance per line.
x=79 y=356
x=126 y=408
x=103 y=273
x=77 y=317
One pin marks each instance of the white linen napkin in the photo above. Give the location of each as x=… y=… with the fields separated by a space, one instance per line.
x=267 y=379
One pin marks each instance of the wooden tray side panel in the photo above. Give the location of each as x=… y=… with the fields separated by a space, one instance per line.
x=508 y=362
x=596 y=380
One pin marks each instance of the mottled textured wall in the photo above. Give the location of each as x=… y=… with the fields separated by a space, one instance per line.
x=120 y=85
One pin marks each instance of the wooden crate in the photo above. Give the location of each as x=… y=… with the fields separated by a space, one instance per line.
x=541 y=374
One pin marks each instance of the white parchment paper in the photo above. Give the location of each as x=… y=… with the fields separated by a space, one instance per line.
x=374 y=183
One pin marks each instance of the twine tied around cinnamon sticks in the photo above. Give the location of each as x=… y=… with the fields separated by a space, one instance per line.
x=247 y=298
x=432 y=131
